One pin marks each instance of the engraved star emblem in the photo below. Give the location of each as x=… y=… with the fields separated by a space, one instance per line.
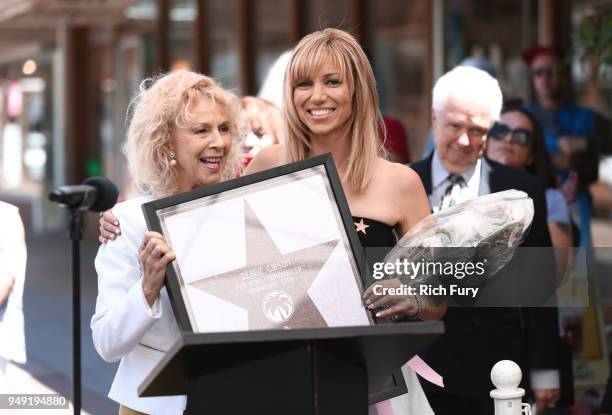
x=256 y=286
x=361 y=227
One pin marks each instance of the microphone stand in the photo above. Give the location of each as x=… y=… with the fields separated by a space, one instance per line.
x=75 y=236
x=96 y=194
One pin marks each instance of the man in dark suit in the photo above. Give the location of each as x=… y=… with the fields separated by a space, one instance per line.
x=466 y=102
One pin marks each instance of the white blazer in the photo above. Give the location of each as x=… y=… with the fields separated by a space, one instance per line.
x=13 y=261
x=124 y=326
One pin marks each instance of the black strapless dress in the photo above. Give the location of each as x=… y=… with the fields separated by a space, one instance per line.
x=377 y=239
x=373 y=233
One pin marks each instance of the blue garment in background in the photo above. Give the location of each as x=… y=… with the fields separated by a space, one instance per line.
x=569 y=120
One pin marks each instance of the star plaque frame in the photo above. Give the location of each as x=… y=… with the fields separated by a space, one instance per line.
x=272 y=250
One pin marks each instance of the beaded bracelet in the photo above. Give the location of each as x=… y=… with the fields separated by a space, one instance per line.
x=419 y=314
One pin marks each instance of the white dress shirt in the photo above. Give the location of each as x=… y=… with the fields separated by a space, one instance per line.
x=440 y=182
x=124 y=326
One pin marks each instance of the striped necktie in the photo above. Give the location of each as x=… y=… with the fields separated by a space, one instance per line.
x=452 y=192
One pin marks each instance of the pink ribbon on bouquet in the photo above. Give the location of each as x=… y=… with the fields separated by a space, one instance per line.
x=384 y=408
x=422 y=369
x=425 y=371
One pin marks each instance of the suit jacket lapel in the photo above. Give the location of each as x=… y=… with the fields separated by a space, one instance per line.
x=496 y=181
x=488 y=178
x=423 y=169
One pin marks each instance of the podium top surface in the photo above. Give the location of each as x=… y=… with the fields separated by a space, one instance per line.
x=191 y=339
x=397 y=342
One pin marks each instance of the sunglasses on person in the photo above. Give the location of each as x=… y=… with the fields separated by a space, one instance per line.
x=549 y=71
x=520 y=136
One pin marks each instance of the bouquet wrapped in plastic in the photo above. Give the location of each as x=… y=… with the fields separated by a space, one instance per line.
x=485 y=230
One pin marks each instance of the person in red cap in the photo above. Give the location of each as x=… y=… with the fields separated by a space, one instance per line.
x=575 y=135
x=545 y=70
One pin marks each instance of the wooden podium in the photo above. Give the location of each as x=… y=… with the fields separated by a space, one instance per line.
x=288 y=372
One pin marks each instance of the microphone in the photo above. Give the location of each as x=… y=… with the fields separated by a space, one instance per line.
x=96 y=194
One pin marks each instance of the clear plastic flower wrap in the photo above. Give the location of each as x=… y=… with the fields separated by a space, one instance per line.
x=485 y=230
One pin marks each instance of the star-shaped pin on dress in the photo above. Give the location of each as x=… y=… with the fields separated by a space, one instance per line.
x=272 y=287
x=361 y=227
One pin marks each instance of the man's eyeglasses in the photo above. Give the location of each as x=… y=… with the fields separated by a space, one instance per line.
x=520 y=136
x=550 y=71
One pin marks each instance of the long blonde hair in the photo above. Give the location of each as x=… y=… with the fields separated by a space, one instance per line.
x=163 y=104
x=342 y=50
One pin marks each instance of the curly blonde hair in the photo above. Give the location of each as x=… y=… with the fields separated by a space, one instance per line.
x=162 y=104
x=342 y=49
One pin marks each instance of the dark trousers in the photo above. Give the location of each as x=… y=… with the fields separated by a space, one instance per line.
x=456 y=405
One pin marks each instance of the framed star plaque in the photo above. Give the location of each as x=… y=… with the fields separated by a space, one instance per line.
x=272 y=250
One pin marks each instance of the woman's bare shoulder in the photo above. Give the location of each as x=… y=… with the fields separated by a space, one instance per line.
x=271 y=156
x=399 y=176
x=404 y=191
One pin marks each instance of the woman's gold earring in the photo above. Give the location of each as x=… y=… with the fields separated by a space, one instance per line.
x=172 y=155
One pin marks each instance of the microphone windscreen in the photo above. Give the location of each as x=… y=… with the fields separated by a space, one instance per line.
x=106 y=193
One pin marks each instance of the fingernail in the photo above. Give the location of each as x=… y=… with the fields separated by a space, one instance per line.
x=371 y=306
x=116 y=223
x=117 y=231
x=379 y=314
x=368 y=302
x=112 y=236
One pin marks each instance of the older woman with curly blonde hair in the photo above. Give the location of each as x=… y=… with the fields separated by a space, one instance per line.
x=183 y=134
